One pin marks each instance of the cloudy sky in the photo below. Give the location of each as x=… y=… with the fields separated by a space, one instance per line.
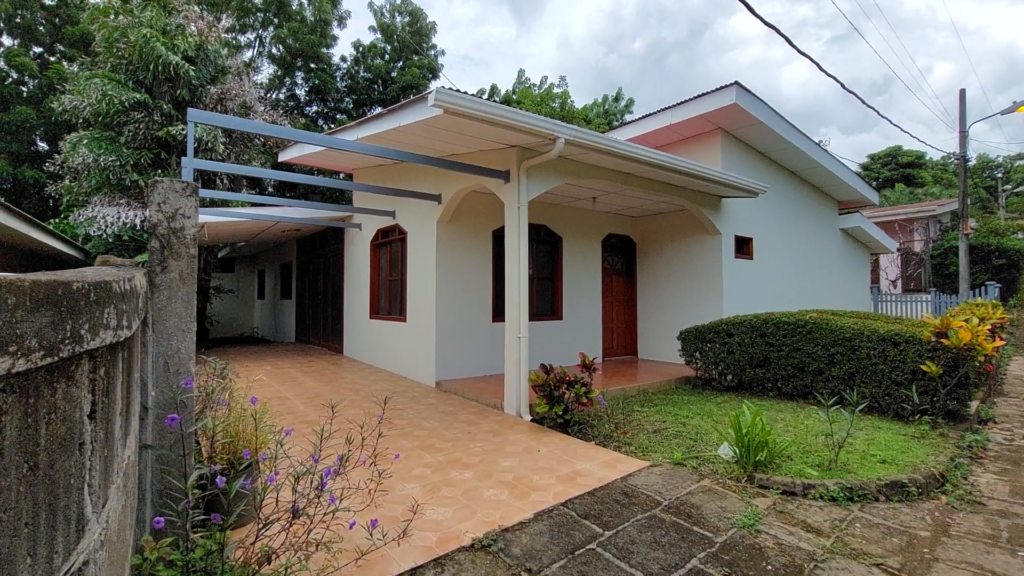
x=661 y=51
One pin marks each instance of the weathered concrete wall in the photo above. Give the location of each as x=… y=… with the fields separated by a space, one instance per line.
x=69 y=420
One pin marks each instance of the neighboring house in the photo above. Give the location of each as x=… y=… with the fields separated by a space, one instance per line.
x=604 y=243
x=28 y=245
x=914 y=227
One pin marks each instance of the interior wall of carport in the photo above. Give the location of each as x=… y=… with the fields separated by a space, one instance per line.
x=241 y=313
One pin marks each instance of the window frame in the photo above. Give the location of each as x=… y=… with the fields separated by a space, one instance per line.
x=376 y=245
x=743 y=255
x=538 y=233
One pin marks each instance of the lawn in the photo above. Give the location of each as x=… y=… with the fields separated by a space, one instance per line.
x=678 y=423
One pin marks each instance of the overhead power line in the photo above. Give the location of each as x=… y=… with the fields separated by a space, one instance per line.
x=859 y=164
x=919 y=71
x=833 y=77
x=894 y=73
x=971 y=62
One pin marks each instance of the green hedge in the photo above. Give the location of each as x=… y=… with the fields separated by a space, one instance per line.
x=796 y=355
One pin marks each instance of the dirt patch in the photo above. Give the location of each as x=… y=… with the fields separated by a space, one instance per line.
x=612 y=506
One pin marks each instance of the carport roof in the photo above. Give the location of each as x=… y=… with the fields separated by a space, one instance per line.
x=446 y=122
x=250 y=236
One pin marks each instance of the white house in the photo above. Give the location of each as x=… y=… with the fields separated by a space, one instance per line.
x=604 y=243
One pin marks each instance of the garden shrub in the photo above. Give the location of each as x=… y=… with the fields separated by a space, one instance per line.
x=563 y=397
x=803 y=355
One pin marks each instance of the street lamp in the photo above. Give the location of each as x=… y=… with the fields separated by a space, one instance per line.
x=965 y=220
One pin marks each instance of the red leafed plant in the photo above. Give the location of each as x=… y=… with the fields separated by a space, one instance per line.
x=563 y=396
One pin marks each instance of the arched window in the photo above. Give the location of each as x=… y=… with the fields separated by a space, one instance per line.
x=545 y=274
x=387 y=274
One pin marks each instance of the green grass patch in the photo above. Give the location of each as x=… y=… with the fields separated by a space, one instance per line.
x=678 y=423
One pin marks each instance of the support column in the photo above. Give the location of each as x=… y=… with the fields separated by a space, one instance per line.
x=170 y=340
x=516 y=335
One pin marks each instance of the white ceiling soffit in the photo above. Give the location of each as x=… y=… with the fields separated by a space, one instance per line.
x=603 y=196
x=258 y=235
x=446 y=123
x=741 y=113
x=864 y=230
x=912 y=211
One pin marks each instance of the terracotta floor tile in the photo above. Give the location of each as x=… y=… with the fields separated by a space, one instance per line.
x=473 y=468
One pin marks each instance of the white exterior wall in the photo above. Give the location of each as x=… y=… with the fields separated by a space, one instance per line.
x=273 y=317
x=234 y=312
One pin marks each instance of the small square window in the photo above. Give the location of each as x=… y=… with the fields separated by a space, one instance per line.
x=261 y=284
x=285 y=280
x=744 y=247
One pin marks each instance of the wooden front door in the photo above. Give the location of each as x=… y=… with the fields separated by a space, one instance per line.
x=618 y=296
x=319 y=290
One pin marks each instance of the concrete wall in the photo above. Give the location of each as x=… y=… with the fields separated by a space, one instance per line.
x=70 y=364
x=273 y=317
x=234 y=312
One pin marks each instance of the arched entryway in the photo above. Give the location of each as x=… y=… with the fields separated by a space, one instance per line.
x=618 y=296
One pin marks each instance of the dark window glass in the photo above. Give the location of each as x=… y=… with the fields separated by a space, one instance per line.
x=261 y=284
x=224 y=266
x=545 y=284
x=387 y=276
x=744 y=248
x=285 y=279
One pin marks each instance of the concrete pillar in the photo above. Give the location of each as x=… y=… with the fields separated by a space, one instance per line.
x=513 y=329
x=171 y=337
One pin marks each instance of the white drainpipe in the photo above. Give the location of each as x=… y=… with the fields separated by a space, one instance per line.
x=522 y=389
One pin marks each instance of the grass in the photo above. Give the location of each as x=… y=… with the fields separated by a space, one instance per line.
x=678 y=423
x=750 y=519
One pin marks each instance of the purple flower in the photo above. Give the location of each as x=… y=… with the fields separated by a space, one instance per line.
x=159 y=523
x=223 y=402
x=221 y=481
x=214 y=467
x=316 y=458
x=247 y=484
x=323 y=484
x=380 y=417
x=351 y=523
x=272 y=478
x=188 y=382
x=327 y=473
x=215 y=518
x=333 y=500
x=397 y=455
x=373 y=524
x=254 y=400
x=263 y=456
x=172 y=420
x=246 y=454
x=288 y=432
x=187 y=504
x=600 y=398
x=362 y=461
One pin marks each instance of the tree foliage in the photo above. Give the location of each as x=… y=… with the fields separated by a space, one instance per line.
x=997 y=255
x=38 y=42
x=553 y=100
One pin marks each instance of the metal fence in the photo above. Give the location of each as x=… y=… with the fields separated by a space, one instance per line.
x=932 y=303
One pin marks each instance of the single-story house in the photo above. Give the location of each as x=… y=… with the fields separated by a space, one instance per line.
x=604 y=243
x=913 y=227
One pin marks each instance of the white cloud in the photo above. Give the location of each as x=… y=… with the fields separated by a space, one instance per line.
x=662 y=51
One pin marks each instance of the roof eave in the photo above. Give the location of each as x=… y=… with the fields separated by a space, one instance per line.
x=868 y=233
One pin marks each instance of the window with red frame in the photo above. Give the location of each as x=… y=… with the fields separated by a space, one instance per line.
x=388 y=254
x=545 y=274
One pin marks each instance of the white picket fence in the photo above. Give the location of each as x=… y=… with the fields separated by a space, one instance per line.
x=932 y=303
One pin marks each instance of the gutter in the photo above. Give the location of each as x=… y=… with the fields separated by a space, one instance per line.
x=487 y=111
x=523 y=220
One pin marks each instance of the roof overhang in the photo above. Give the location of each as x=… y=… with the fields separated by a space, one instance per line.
x=31 y=246
x=865 y=231
x=446 y=122
x=249 y=236
x=736 y=110
x=926 y=210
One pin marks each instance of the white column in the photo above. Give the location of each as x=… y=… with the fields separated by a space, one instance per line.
x=516 y=346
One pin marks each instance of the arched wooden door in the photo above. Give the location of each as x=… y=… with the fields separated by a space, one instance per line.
x=618 y=296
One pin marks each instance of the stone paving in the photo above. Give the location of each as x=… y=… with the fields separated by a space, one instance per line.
x=666 y=520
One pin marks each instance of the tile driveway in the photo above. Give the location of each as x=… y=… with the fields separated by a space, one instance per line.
x=474 y=468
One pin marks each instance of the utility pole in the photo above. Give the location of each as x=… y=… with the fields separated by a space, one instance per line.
x=965 y=219
x=1002 y=196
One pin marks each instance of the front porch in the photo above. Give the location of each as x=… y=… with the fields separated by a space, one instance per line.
x=614 y=376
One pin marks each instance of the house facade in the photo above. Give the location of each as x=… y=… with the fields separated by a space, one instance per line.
x=603 y=243
x=913 y=227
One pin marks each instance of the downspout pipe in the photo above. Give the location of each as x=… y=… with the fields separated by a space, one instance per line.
x=522 y=353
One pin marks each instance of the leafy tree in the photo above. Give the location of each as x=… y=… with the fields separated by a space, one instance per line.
x=884 y=169
x=401 y=62
x=553 y=100
x=900 y=195
x=289 y=46
x=997 y=254
x=38 y=41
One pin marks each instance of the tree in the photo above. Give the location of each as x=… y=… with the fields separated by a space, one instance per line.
x=401 y=62
x=289 y=47
x=553 y=100
x=38 y=42
x=997 y=254
x=884 y=169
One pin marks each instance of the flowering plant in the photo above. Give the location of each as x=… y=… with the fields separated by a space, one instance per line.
x=563 y=396
x=308 y=495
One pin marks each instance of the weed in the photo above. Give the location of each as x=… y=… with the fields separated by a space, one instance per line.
x=839 y=422
x=841 y=494
x=958 y=491
x=749 y=519
x=986 y=414
x=486 y=541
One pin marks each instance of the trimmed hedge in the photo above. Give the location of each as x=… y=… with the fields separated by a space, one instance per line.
x=796 y=355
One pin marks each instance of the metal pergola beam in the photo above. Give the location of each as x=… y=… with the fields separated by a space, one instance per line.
x=275 y=201
x=240 y=215
x=301 y=136
x=266 y=173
